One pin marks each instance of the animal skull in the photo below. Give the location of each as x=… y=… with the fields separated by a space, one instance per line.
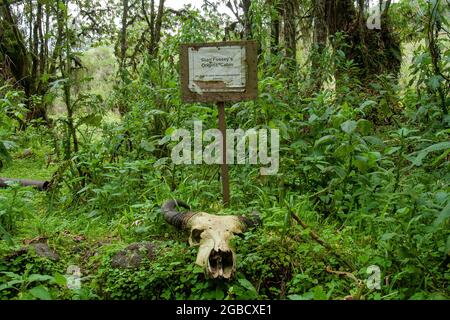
x=212 y=234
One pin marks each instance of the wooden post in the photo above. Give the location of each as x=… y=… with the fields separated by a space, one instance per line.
x=224 y=165
x=211 y=82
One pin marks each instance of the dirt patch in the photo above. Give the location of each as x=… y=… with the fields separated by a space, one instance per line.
x=133 y=255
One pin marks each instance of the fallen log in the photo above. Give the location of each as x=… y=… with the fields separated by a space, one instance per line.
x=40 y=185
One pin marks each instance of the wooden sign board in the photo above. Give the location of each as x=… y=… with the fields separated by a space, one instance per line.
x=219 y=71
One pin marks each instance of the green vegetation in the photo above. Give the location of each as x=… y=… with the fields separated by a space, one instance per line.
x=364 y=156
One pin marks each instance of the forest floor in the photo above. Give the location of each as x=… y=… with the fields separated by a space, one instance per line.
x=66 y=246
x=367 y=175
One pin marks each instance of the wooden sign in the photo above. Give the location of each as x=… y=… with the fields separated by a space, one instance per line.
x=219 y=71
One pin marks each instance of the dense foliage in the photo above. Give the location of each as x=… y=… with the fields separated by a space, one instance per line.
x=364 y=161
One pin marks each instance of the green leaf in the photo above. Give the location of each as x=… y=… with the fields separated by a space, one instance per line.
x=10 y=284
x=319 y=293
x=169 y=131
x=246 y=284
x=39 y=277
x=155 y=112
x=391 y=150
x=60 y=280
x=349 y=126
x=404 y=132
x=164 y=139
x=12 y=275
x=344 y=150
x=374 y=140
x=4 y=154
x=388 y=236
x=364 y=126
x=141 y=229
x=447 y=247
x=417 y=161
x=92 y=119
x=147 y=146
x=219 y=294
x=435 y=82
x=437 y=296
x=366 y=104
x=40 y=292
x=445 y=213
x=361 y=162
x=160 y=162
x=6 y=236
x=325 y=139
x=295 y=297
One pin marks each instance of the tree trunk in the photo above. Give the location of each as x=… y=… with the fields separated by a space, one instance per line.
x=290 y=32
x=275 y=28
x=15 y=50
x=375 y=51
x=154 y=24
x=123 y=36
x=25 y=66
x=122 y=106
x=248 y=34
x=67 y=74
x=157 y=30
x=319 y=44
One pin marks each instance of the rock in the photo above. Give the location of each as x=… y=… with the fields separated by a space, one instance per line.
x=26 y=153
x=133 y=255
x=43 y=250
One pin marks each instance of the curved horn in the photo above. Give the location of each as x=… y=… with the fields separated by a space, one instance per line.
x=251 y=221
x=172 y=216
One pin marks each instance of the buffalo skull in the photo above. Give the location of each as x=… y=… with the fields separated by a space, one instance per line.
x=212 y=234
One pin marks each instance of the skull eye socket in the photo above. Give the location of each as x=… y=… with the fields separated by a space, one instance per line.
x=196 y=235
